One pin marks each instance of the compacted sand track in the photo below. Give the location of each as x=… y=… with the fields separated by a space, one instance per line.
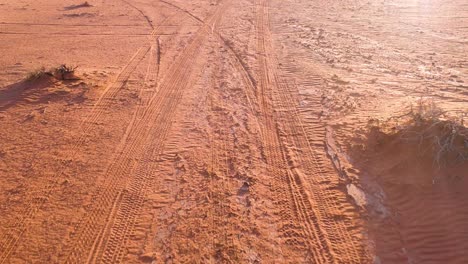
x=200 y=131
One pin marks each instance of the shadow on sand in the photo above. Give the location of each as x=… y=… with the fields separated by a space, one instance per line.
x=41 y=91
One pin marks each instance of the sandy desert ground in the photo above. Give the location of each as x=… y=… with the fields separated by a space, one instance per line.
x=221 y=131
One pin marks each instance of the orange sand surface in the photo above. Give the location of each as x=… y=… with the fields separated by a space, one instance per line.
x=220 y=131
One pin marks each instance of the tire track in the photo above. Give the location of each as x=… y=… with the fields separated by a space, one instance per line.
x=150 y=84
x=147 y=19
x=123 y=224
x=197 y=19
x=236 y=61
x=146 y=139
x=247 y=79
x=221 y=141
x=346 y=247
x=278 y=163
x=104 y=102
x=314 y=202
x=9 y=240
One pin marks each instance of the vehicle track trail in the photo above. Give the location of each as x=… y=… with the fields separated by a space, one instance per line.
x=139 y=10
x=237 y=63
x=197 y=19
x=306 y=190
x=222 y=131
x=106 y=228
x=224 y=248
x=9 y=241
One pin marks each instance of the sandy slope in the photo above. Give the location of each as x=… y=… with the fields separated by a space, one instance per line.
x=209 y=131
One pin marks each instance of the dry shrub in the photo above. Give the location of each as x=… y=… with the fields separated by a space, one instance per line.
x=36 y=74
x=63 y=72
x=426 y=126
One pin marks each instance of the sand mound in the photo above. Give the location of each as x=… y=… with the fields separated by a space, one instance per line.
x=43 y=86
x=419 y=161
x=420 y=147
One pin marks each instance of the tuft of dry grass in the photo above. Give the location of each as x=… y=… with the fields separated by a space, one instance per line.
x=63 y=72
x=36 y=74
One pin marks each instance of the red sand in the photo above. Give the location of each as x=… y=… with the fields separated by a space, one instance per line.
x=216 y=131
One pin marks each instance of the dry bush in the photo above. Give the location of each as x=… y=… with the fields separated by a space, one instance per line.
x=427 y=126
x=36 y=74
x=63 y=72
